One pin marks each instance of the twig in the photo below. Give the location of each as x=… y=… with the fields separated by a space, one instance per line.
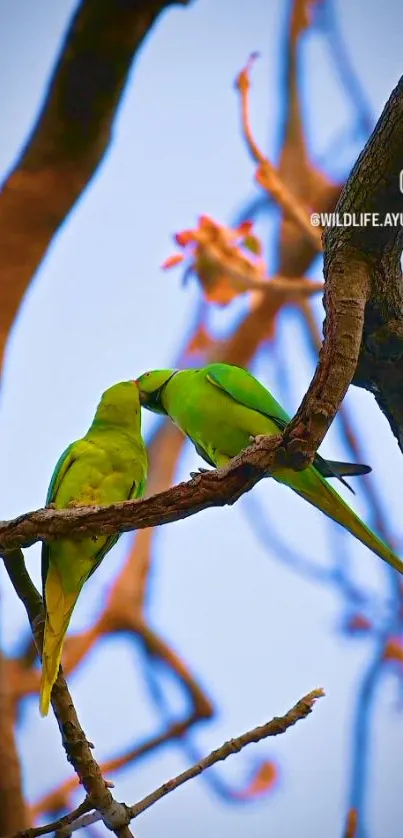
x=278 y=725
x=78 y=749
x=66 y=820
x=295 y=288
x=243 y=282
x=290 y=287
x=267 y=174
x=174 y=732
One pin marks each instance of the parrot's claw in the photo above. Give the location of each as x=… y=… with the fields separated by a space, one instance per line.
x=200 y=471
x=252 y=440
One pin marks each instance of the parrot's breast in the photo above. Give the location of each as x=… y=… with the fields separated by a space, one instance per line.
x=104 y=473
x=212 y=419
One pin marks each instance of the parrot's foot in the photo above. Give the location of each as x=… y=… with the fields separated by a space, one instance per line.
x=194 y=474
x=50 y=506
x=73 y=504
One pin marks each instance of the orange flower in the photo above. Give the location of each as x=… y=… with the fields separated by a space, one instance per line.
x=227 y=261
x=358 y=622
x=393 y=650
x=262 y=781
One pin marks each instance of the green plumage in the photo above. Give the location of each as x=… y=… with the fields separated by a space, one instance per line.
x=108 y=465
x=221 y=406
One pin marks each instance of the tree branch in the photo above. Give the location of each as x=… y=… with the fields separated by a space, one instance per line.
x=78 y=749
x=278 y=725
x=346 y=290
x=215 y=488
x=61 y=823
x=70 y=138
x=365 y=262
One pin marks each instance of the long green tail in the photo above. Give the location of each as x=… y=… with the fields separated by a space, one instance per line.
x=313 y=488
x=59 y=608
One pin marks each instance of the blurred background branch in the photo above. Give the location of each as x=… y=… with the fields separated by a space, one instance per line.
x=13 y=809
x=69 y=139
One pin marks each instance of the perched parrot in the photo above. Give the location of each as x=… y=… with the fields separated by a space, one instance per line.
x=109 y=464
x=220 y=407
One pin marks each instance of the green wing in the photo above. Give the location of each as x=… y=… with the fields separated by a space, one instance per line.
x=64 y=463
x=241 y=386
x=246 y=390
x=62 y=466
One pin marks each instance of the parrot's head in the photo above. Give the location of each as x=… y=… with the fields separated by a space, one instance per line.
x=119 y=405
x=151 y=387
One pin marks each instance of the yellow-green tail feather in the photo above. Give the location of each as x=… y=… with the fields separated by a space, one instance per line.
x=314 y=489
x=59 y=607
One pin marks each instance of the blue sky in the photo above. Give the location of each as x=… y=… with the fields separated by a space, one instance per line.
x=100 y=310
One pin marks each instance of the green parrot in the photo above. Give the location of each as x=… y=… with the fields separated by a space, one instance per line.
x=109 y=464
x=220 y=407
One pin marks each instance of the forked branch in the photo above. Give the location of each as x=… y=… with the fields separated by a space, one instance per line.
x=275 y=727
